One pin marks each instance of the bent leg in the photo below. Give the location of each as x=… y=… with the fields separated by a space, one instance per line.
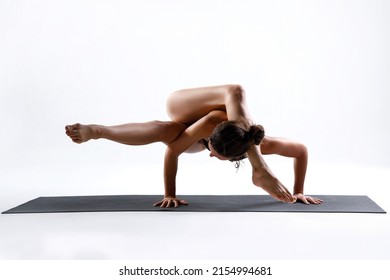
x=189 y=105
x=129 y=134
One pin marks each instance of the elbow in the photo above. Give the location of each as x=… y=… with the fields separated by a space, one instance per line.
x=303 y=152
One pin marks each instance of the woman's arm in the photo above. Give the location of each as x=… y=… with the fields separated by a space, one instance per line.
x=262 y=176
x=201 y=129
x=298 y=151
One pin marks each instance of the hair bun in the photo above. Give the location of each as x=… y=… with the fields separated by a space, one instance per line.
x=255 y=134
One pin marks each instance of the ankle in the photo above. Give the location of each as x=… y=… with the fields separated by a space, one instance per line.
x=97 y=131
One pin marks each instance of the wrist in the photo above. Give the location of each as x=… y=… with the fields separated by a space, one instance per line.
x=297 y=190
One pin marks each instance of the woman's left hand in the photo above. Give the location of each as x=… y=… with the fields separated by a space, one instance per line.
x=169 y=201
x=307 y=199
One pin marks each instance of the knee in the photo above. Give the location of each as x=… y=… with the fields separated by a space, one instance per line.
x=169 y=131
x=235 y=92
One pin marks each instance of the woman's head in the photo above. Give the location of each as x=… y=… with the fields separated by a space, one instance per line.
x=232 y=139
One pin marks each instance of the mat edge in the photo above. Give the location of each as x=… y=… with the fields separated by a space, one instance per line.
x=10 y=211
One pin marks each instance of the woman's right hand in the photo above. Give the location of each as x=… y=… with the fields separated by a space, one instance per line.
x=168 y=202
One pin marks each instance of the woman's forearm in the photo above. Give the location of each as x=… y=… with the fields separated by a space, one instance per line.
x=300 y=166
x=170 y=170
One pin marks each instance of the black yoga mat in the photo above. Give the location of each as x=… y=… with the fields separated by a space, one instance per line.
x=198 y=203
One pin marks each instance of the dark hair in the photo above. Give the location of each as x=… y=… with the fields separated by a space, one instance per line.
x=232 y=139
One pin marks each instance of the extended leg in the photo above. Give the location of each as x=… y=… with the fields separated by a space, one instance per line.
x=129 y=134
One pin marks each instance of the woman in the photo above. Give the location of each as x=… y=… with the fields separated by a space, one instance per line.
x=215 y=118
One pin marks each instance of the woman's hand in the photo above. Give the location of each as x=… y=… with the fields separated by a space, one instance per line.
x=168 y=202
x=307 y=199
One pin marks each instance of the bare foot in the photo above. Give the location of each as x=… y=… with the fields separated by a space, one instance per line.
x=81 y=133
x=271 y=185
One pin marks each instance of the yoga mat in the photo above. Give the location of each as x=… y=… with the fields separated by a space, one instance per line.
x=198 y=203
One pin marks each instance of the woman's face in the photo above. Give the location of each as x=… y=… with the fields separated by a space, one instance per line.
x=213 y=153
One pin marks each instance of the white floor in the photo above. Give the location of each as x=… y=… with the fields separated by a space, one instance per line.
x=188 y=236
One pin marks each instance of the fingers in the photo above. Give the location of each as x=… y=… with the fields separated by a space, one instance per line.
x=183 y=202
x=169 y=202
x=308 y=199
x=313 y=200
x=164 y=203
x=305 y=199
x=158 y=203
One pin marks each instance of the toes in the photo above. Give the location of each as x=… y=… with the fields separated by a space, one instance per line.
x=76 y=140
x=72 y=130
x=77 y=133
x=74 y=135
x=72 y=127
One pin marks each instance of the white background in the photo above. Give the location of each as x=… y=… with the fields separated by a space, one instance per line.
x=316 y=71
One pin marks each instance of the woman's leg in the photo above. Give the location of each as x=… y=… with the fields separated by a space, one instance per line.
x=189 y=105
x=129 y=134
x=184 y=107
